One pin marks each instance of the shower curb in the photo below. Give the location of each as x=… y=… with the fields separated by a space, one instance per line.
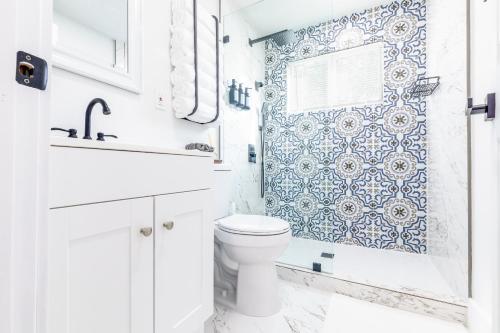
x=395 y=299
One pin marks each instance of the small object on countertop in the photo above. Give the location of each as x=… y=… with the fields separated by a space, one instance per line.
x=241 y=96
x=101 y=136
x=246 y=105
x=71 y=132
x=233 y=93
x=200 y=146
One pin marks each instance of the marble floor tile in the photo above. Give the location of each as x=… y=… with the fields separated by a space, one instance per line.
x=349 y=315
x=303 y=311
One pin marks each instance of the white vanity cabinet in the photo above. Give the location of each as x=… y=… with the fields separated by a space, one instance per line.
x=130 y=240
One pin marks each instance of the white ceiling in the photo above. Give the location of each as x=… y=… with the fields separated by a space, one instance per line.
x=269 y=16
x=108 y=17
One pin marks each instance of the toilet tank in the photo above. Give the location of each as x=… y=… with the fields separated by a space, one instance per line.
x=222 y=191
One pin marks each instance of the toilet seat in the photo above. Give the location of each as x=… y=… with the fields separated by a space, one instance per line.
x=253 y=225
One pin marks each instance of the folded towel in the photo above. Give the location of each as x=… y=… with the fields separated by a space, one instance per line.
x=184 y=55
x=182 y=17
x=203 y=32
x=200 y=147
x=182 y=106
x=187 y=90
x=204 y=49
x=203 y=114
x=183 y=72
x=184 y=90
x=209 y=82
x=186 y=35
x=182 y=4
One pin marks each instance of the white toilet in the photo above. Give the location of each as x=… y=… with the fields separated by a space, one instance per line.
x=246 y=247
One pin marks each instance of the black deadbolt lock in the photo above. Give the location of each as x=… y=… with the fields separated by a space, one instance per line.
x=31 y=71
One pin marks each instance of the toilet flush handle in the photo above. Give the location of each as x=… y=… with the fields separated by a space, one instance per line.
x=168 y=225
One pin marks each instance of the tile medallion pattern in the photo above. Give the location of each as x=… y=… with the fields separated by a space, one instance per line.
x=353 y=175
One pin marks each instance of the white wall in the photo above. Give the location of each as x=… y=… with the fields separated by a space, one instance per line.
x=447 y=142
x=483 y=309
x=246 y=65
x=134 y=117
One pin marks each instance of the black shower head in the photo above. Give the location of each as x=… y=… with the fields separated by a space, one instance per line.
x=280 y=38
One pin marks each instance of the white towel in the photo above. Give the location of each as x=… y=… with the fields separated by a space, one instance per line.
x=184 y=73
x=209 y=82
x=179 y=59
x=187 y=89
x=204 y=81
x=206 y=29
x=184 y=18
x=204 y=49
x=182 y=4
x=182 y=106
x=205 y=97
x=181 y=56
x=182 y=59
x=204 y=35
x=204 y=114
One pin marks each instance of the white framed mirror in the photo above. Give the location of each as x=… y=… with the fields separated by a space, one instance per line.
x=103 y=44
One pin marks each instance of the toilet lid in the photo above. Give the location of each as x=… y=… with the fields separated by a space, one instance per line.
x=253 y=225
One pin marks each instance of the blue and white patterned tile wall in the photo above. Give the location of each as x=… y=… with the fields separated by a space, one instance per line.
x=353 y=175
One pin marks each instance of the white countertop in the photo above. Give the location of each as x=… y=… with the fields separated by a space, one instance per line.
x=57 y=141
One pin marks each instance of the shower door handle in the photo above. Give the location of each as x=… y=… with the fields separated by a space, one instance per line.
x=487 y=109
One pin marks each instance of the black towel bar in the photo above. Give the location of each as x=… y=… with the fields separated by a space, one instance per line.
x=195 y=35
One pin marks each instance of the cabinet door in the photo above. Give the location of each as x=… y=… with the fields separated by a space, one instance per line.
x=101 y=268
x=183 y=261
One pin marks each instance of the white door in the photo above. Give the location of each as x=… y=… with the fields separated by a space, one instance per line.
x=184 y=262
x=101 y=268
x=484 y=79
x=24 y=130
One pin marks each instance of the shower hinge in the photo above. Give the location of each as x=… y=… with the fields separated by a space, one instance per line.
x=487 y=109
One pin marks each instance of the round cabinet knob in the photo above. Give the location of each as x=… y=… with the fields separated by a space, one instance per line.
x=146 y=231
x=168 y=225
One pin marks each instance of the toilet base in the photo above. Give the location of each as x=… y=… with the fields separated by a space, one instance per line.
x=257 y=292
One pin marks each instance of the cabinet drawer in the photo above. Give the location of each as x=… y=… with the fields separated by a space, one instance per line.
x=81 y=176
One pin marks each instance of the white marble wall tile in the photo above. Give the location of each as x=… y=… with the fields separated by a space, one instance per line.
x=447 y=142
x=244 y=64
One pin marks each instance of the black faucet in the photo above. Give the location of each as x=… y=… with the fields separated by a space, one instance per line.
x=88 y=113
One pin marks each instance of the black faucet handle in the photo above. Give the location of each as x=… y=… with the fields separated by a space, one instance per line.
x=71 y=132
x=101 y=136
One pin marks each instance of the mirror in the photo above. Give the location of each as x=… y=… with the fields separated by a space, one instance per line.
x=101 y=44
